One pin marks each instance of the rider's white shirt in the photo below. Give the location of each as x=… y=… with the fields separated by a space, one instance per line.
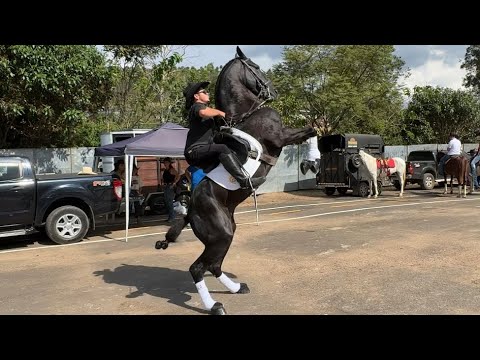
x=454 y=147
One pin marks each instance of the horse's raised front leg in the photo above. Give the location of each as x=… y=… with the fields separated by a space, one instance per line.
x=296 y=136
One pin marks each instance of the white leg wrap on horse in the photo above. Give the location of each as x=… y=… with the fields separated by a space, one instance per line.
x=229 y=284
x=207 y=300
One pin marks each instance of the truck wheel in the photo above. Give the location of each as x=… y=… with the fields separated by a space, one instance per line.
x=330 y=191
x=67 y=224
x=342 y=191
x=428 y=182
x=363 y=189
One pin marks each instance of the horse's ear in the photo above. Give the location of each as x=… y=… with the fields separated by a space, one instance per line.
x=240 y=53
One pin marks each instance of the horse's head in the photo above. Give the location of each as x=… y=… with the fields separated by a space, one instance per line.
x=255 y=79
x=242 y=83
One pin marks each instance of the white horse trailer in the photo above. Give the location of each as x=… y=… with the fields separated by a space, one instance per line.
x=108 y=162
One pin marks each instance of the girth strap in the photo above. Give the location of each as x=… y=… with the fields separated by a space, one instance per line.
x=270 y=160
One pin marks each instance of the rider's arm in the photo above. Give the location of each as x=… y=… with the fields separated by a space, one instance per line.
x=209 y=112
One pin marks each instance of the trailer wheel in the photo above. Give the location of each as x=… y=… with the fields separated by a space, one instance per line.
x=356 y=160
x=67 y=224
x=363 y=189
x=330 y=191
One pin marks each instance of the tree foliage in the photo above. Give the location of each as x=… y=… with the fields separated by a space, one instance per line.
x=142 y=95
x=341 y=88
x=434 y=112
x=47 y=93
x=472 y=66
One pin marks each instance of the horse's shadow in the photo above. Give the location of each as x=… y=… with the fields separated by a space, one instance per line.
x=174 y=285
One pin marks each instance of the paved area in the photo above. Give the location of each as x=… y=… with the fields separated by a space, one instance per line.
x=311 y=254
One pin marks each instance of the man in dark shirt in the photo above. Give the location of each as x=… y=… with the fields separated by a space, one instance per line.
x=200 y=150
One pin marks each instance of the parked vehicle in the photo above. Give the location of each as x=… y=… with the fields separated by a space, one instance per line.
x=64 y=206
x=422 y=169
x=340 y=164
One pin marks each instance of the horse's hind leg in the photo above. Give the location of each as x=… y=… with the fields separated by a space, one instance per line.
x=210 y=255
x=216 y=270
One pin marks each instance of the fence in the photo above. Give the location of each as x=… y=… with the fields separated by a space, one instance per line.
x=284 y=176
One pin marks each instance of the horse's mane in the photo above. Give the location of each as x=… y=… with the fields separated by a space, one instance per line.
x=222 y=75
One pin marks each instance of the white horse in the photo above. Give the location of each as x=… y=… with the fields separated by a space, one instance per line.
x=371 y=164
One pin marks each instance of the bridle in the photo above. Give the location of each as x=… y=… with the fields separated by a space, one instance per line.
x=264 y=95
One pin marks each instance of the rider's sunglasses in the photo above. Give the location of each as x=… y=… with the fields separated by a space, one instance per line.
x=203 y=92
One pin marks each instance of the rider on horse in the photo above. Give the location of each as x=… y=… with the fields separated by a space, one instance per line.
x=200 y=149
x=454 y=148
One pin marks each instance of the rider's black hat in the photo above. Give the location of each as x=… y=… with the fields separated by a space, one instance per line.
x=191 y=90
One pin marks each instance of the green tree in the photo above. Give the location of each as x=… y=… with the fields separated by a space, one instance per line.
x=48 y=92
x=143 y=75
x=472 y=66
x=341 y=88
x=434 y=112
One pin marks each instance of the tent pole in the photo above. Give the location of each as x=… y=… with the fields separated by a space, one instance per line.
x=127 y=196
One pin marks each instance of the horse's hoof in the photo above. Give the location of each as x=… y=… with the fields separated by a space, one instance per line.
x=369 y=196
x=161 y=245
x=376 y=196
x=218 y=309
x=243 y=289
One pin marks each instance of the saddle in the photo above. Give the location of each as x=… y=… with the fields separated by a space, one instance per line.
x=241 y=147
x=247 y=149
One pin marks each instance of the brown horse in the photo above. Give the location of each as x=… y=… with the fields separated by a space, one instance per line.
x=458 y=167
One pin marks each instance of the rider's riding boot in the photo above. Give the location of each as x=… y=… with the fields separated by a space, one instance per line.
x=232 y=165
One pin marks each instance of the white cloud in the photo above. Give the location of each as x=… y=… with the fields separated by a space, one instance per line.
x=264 y=61
x=435 y=71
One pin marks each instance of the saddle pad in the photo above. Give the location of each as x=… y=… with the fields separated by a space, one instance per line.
x=385 y=163
x=223 y=178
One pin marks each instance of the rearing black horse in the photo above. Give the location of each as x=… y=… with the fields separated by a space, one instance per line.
x=241 y=91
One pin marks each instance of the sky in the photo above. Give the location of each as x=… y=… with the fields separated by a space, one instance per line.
x=435 y=65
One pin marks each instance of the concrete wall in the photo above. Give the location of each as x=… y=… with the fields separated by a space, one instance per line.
x=402 y=151
x=284 y=176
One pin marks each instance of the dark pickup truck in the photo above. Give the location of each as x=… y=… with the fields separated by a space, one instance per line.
x=422 y=167
x=62 y=205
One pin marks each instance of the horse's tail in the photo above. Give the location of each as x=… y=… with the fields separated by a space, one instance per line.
x=174 y=232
